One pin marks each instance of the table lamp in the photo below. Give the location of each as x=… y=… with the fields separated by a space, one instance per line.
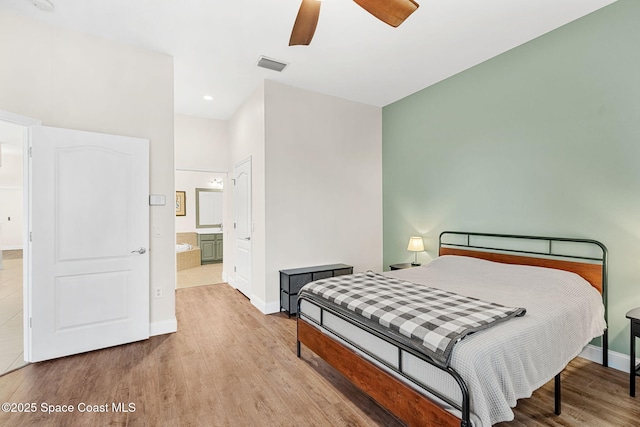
x=415 y=245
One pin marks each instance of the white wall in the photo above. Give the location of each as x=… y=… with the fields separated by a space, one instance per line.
x=11 y=210
x=11 y=214
x=72 y=80
x=247 y=139
x=201 y=144
x=316 y=183
x=324 y=182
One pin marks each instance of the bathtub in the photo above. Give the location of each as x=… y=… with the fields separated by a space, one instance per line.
x=187 y=251
x=182 y=247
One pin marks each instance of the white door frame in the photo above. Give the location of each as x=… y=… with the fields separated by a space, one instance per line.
x=26 y=203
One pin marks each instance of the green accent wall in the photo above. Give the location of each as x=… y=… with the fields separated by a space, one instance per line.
x=543 y=140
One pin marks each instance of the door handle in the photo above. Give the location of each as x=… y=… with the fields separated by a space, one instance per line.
x=247 y=238
x=140 y=251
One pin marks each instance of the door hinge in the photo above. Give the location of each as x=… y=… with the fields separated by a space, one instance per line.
x=30 y=152
x=30 y=321
x=234 y=181
x=234 y=268
x=234 y=225
x=31 y=236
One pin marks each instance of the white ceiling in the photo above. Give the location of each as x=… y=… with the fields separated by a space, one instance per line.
x=216 y=44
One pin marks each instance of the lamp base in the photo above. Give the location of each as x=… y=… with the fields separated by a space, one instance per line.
x=415 y=264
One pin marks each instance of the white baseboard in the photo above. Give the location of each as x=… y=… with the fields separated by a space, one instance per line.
x=617 y=360
x=225 y=277
x=163 y=327
x=12 y=248
x=273 y=307
x=265 y=308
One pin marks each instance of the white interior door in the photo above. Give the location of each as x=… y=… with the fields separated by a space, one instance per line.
x=242 y=188
x=89 y=222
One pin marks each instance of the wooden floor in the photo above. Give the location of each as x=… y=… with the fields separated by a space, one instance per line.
x=229 y=365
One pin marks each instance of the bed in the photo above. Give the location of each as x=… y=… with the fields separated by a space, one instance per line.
x=560 y=283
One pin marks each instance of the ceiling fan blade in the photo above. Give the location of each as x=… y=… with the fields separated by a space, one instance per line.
x=306 y=22
x=392 y=12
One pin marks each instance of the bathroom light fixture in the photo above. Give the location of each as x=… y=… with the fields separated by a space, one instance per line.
x=208 y=98
x=216 y=182
x=415 y=245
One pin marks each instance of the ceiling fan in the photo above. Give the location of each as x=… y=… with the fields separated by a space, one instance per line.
x=392 y=12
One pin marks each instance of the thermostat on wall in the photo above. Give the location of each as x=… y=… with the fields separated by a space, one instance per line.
x=157 y=200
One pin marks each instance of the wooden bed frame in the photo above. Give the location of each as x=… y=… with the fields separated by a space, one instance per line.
x=412 y=407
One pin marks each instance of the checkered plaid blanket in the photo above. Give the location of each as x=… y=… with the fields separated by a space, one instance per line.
x=429 y=317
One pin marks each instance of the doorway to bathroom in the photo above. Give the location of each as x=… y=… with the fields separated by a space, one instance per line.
x=200 y=227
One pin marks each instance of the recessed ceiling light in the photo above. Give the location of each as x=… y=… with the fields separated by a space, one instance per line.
x=45 y=5
x=208 y=98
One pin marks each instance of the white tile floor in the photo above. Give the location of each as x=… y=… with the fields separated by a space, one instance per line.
x=208 y=274
x=11 y=344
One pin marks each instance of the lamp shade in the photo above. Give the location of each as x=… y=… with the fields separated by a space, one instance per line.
x=415 y=244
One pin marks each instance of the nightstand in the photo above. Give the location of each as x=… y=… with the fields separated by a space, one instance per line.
x=401 y=266
x=634 y=371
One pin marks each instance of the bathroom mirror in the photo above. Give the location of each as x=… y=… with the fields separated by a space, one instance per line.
x=208 y=208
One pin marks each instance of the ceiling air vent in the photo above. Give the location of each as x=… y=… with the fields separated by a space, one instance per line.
x=271 y=64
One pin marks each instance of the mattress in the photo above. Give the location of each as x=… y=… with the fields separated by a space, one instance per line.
x=508 y=361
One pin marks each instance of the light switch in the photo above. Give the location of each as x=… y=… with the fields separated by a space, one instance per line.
x=157 y=200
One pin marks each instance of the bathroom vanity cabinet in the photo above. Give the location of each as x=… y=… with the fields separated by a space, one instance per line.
x=210 y=247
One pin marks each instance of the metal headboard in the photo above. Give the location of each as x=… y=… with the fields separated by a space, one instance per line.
x=542 y=247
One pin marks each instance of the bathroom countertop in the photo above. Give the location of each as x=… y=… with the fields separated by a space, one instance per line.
x=210 y=231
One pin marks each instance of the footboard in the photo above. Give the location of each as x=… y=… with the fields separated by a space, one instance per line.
x=400 y=398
